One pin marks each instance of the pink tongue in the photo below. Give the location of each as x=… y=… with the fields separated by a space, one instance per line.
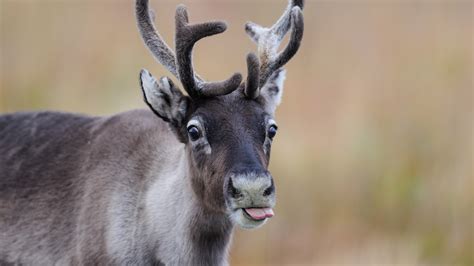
x=260 y=213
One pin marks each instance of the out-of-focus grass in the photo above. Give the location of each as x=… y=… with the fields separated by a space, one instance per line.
x=373 y=161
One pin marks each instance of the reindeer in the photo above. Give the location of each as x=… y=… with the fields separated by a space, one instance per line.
x=164 y=187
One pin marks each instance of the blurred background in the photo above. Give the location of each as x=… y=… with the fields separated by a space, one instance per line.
x=373 y=159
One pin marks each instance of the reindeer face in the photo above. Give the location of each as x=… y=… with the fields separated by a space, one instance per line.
x=229 y=141
x=227 y=126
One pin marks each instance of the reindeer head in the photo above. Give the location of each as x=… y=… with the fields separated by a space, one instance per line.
x=227 y=126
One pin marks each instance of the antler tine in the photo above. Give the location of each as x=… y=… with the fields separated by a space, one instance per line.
x=295 y=39
x=186 y=36
x=253 y=73
x=281 y=27
x=268 y=40
x=160 y=50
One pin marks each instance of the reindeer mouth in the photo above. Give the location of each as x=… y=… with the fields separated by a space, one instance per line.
x=258 y=214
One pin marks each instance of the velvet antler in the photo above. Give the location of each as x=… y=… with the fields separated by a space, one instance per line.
x=180 y=65
x=268 y=40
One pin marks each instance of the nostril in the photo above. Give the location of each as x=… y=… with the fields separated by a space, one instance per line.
x=234 y=192
x=269 y=190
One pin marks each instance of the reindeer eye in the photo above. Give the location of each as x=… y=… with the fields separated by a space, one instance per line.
x=272 y=130
x=194 y=133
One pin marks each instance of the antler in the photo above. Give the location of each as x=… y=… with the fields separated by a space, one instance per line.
x=180 y=65
x=186 y=36
x=159 y=49
x=268 y=40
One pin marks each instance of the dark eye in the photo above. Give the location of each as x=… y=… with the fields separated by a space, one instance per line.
x=272 y=130
x=194 y=133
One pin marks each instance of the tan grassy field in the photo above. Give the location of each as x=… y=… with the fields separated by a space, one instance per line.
x=373 y=159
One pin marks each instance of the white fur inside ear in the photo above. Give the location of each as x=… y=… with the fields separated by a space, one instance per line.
x=165 y=85
x=150 y=87
x=162 y=97
x=273 y=90
x=279 y=81
x=154 y=91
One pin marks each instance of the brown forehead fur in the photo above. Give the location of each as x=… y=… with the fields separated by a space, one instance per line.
x=229 y=108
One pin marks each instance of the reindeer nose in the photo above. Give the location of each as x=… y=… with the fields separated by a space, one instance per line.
x=251 y=186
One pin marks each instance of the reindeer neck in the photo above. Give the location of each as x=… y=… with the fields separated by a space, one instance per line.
x=184 y=232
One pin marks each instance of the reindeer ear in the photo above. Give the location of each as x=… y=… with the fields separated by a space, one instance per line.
x=273 y=90
x=165 y=100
